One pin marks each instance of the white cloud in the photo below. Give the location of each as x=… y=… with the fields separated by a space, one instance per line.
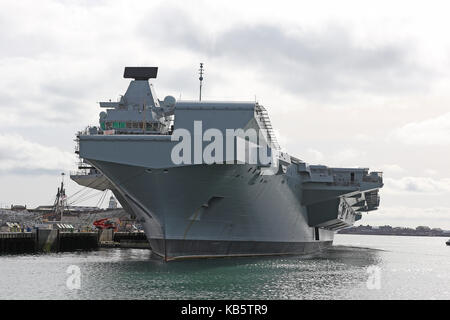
x=282 y=139
x=411 y=185
x=392 y=169
x=434 y=131
x=313 y=156
x=430 y=172
x=345 y=155
x=361 y=137
x=21 y=156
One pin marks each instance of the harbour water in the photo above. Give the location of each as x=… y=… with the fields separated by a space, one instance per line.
x=357 y=267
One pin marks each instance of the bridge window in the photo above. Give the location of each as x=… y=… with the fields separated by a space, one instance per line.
x=118 y=125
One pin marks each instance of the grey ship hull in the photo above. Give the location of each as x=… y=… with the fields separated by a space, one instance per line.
x=229 y=209
x=217 y=210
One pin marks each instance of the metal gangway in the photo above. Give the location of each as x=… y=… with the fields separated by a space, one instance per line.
x=263 y=118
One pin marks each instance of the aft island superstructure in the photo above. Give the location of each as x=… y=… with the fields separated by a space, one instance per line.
x=209 y=179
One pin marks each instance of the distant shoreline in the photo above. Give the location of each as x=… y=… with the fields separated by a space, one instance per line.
x=421 y=231
x=382 y=234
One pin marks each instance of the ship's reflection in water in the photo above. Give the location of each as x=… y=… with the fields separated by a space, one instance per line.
x=338 y=273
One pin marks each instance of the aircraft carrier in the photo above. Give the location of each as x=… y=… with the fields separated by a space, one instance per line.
x=191 y=206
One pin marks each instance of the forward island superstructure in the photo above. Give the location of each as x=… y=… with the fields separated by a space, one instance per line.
x=202 y=185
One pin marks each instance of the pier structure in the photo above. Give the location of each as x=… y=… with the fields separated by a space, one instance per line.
x=54 y=240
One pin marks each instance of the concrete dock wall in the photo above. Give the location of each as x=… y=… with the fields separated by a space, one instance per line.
x=69 y=241
x=131 y=240
x=135 y=236
x=106 y=235
x=17 y=242
x=48 y=240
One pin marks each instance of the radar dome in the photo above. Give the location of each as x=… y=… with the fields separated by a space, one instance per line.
x=170 y=101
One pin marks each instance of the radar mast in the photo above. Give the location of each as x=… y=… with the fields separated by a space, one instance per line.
x=201 y=70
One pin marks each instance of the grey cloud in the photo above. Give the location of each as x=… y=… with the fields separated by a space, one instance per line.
x=21 y=44
x=19 y=154
x=26 y=45
x=318 y=64
x=39 y=40
x=424 y=185
x=42 y=108
x=84 y=3
x=53 y=97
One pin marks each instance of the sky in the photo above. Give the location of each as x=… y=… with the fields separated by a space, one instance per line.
x=346 y=83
